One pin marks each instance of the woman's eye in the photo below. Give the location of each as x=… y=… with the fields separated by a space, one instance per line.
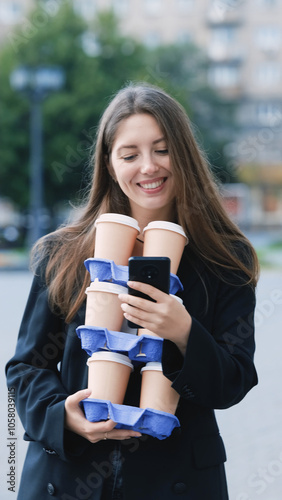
x=129 y=157
x=162 y=151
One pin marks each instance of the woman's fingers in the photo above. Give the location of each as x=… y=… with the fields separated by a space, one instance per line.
x=166 y=317
x=139 y=303
x=73 y=411
x=93 y=431
x=143 y=311
x=150 y=290
x=107 y=430
x=75 y=398
x=97 y=431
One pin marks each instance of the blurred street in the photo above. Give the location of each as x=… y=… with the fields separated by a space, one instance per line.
x=252 y=431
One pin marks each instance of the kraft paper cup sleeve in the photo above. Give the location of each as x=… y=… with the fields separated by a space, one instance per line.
x=163 y=238
x=115 y=237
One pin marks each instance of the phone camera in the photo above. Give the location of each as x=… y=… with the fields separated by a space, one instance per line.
x=149 y=272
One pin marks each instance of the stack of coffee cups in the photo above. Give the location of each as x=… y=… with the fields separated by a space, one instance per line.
x=109 y=372
x=161 y=239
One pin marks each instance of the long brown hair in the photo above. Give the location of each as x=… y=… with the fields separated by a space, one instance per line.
x=212 y=235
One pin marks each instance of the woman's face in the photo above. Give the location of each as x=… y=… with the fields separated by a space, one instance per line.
x=141 y=165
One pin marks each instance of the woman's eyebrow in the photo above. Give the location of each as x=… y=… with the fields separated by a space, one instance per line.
x=125 y=146
x=159 y=140
x=133 y=146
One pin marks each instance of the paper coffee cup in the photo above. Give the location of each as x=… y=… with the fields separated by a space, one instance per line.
x=156 y=390
x=108 y=376
x=145 y=331
x=103 y=307
x=176 y=298
x=165 y=239
x=115 y=237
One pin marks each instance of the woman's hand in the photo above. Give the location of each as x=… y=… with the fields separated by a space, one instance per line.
x=166 y=317
x=93 y=431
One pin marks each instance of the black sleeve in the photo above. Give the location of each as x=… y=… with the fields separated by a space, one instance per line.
x=217 y=369
x=33 y=373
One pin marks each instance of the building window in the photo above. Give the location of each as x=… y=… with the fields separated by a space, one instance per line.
x=224 y=76
x=269 y=114
x=184 y=37
x=185 y=6
x=268 y=38
x=85 y=8
x=268 y=3
x=219 y=10
x=268 y=74
x=153 y=7
x=121 y=7
x=10 y=12
x=223 y=44
x=223 y=35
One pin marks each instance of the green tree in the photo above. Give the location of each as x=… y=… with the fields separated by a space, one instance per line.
x=97 y=61
x=71 y=115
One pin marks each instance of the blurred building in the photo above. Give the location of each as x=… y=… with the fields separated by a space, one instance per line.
x=243 y=42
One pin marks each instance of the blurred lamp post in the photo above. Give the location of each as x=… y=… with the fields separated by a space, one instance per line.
x=36 y=83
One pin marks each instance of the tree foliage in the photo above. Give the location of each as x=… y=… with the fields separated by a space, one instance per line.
x=97 y=61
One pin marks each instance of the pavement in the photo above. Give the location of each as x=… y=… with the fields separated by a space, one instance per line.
x=13 y=260
x=252 y=430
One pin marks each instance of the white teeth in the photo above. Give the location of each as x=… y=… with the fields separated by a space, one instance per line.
x=152 y=185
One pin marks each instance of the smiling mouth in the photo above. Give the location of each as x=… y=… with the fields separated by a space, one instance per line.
x=152 y=185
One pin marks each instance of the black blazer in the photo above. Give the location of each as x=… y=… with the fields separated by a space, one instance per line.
x=216 y=372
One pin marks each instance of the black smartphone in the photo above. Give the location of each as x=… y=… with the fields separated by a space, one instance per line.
x=154 y=271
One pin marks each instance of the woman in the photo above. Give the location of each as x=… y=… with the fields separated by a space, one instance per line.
x=146 y=165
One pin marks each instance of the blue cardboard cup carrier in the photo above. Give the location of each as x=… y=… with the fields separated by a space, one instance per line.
x=108 y=375
x=115 y=237
x=156 y=391
x=103 y=307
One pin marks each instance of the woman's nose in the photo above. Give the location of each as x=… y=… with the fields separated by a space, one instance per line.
x=148 y=165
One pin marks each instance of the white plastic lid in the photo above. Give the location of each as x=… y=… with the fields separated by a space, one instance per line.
x=177 y=298
x=152 y=366
x=104 y=286
x=110 y=356
x=120 y=219
x=170 y=226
